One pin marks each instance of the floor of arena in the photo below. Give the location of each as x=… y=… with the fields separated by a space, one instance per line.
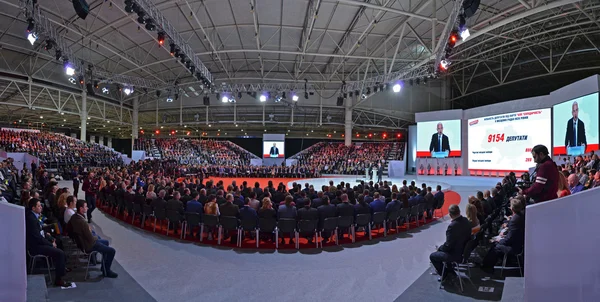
x=152 y=266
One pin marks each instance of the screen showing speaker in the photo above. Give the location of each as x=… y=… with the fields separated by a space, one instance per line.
x=576 y=126
x=273 y=149
x=503 y=142
x=439 y=139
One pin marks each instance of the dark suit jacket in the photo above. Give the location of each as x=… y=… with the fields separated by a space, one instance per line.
x=457 y=235
x=570 y=136
x=308 y=213
x=158 y=203
x=195 y=206
x=229 y=209
x=435 y=144
x=316 y=203
x=267 y=213
x=345 y=209
x=515 y=236
x=274 y=151
x=248 y=213
x=174 y=205
x=326 y=211
x=33 y=236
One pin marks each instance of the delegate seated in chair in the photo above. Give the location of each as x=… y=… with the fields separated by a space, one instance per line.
x=457 y=235
x=80 y=228
x=512 y=242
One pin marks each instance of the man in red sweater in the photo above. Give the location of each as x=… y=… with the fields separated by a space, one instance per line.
x=546 y=177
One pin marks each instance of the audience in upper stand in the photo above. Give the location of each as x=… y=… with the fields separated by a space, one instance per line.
x=56 y=150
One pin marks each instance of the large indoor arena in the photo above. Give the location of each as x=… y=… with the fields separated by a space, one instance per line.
x=355 y=150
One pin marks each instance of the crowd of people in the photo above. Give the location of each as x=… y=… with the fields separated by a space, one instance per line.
x=495 y=219
x=356 y=159
x=196 y=151
x=57 y=150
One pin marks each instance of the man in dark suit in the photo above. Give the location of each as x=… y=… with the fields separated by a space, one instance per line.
x=37 y=244
x=439 y=141
x=512 y=242
x=274 y=151
x=377 y=205
x=308 y=213
x=344 y=208
x=176 y=205
x=439 y=195
x=327 y=210
x=575 y=135
x=317 y=202
x=457 y=235
x=228 y=208
x=430 y=200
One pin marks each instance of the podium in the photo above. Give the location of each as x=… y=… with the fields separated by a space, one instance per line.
x=442 y=154
x=575 y=151
x=374 y=173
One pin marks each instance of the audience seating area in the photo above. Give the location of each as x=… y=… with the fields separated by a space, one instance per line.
x=196 y=151
x=353 y=220
x=337 y=158
x=57 y=150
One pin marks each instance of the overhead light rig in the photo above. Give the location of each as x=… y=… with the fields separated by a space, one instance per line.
x=153 y=19
x=75 y=67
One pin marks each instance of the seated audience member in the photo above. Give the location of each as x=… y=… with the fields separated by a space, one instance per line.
x=266 y=210
x=362 y=207
x=563 y=186
x=596 y=182
x=248 y=213
x=228 y=208
x=574 y=185
x=477 y=203
x=307 y=212
x=377 y=205
x=288 y=211
x=70 y=211
x=253 y=202
x=81 y=229
x=439 y=195
x=39 y=243
x=512 y=242
x=194 y=205
x=583 y=176
x=472 y=216
x=457 y=235
x=488 y=208
x=211 y=207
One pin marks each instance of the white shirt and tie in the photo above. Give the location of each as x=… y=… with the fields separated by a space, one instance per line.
x=440 y=142
x=575 y=132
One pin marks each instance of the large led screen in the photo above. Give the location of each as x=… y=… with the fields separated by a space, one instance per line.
x=576 y=126
x=439 y=139
x=503 y=142
x=273 y=149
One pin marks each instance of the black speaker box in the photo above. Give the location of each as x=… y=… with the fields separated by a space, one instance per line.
x=81 y=8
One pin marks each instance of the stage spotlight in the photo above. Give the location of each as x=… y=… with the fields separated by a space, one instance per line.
x=173 y=49
x=464 y=34
x=169 y=99
x=32 y=37
x=368 y=90
x=294 y=98
x=96 y=84
x=375 y=88
x=57 y=54
x=263 y=98
x=141 y=18
x=239 y=94
x=306 y=95
x=444 y=64
x=150 y=25
x=49 y=44
x=105 y=90
x=397 y=88
x=424 y=80
x=224 y=99
x=277 y=99
x=81 y=81
x=129 y=6
x=192 y=69
x=128 y=90
x=161 y=38
x=30 y=25
x=69 y=70
x=177 y=96
x=183 y=58
x=283 y=96
x=72 y=80
x=453 y=38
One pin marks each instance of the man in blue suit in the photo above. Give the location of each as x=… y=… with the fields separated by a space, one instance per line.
x=377 y=205
x=439 y=195
x=194 y=205
x=326 y=210
x=413 y=201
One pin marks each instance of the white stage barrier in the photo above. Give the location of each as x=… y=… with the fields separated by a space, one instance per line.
x=13 y=275
x=396 y=168
x=561 y=249
x=137 y=155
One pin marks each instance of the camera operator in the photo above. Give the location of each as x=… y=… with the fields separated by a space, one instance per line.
x=545 y=177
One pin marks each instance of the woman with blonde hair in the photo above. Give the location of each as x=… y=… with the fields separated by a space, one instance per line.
x=563 y=186
x=472 y=217
x=477 y=203
x=266 y=210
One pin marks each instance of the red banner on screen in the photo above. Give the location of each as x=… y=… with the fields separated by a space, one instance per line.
x=422 y=154
x=269 y=156
x=556 y=151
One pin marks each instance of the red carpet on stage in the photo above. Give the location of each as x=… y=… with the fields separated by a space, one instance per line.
x=451 y=197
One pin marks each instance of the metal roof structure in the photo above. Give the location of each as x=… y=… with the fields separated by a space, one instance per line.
x=324 y=48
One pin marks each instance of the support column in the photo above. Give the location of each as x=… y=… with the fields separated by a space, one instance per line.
x=109 y=143
x=134 y=114
x=348 y=121
x=83 y=116
x=101 y=140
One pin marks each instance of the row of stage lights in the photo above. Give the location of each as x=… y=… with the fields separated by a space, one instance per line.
x=458 y=34
x=218 y=133
x=69 y=68
x=149 y=24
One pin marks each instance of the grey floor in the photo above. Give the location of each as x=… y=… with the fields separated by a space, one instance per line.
x=169 y=270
